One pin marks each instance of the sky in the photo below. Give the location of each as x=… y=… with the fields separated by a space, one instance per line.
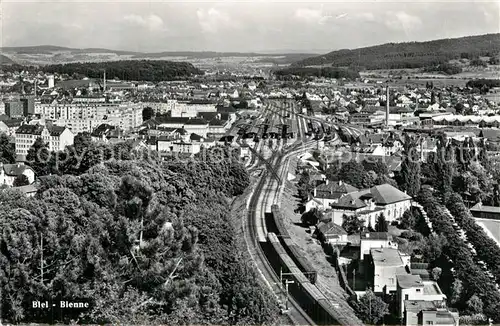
x=240 y=26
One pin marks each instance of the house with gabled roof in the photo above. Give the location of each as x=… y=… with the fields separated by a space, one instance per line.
x=329 y=232
x=328 y=193
x=368 y=204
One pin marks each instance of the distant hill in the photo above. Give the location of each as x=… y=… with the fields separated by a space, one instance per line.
x=408 y=55
x=5 y=60
x=47 y=54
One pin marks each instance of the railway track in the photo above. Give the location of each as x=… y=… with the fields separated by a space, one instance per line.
x=296 y=315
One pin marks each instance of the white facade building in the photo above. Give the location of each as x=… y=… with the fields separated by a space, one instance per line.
x=191 y=109
x=86 y=116
x=56 y=137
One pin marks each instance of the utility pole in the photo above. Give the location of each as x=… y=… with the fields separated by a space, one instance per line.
x=354 y=279
x=41 y=257
x=286 y=285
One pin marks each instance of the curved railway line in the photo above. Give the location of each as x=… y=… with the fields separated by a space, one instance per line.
x=267 y=193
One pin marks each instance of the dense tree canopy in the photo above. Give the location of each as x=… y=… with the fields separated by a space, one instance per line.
x=140 y=70
x=145 y=241
x=7 y=150
x=410 y=54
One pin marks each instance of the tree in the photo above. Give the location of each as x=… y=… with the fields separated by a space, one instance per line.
x=436 y=273
x=433 y=247
x=7 y=150
x=381 y=224
x=474 y=305
x=370 y=308
x=352 y=173
x=459 y=108
x=456 y=291
x=147 y=113
x=494 y=61
x=410 y=168
x=304 y=186
x=40 y=158
x=21 y=180
x=352 y=224
x=311 y=217
x=408 y=220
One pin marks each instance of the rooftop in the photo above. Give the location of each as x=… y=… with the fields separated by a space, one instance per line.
x=376 y=236
x=409 y=281
x=419 y=305
x=386 y=257
x=387 y=194
x=485 y=209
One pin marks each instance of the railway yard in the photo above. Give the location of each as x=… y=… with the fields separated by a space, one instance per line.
x=276 y=246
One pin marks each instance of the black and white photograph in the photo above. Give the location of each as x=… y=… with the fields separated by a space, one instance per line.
x=239 y=162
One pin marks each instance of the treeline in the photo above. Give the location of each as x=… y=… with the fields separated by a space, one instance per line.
x=462 y=278
x=484 y=85
x=410 y=55
x=144 y=241
x=446 y=68
x=328 y=72
x=142 y=70
x=486 y=248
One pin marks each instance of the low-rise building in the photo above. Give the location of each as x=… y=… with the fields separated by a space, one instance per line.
x=368 y=204
x=9 y=173
x=375 y=240
x=386 y=264
x=330 y=233
x=420 y=312
x=484 y=211
x=412 y=287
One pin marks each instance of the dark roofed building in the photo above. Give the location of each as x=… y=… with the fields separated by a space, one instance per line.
x=333 y=189
x=487 y=212
x=329 y=232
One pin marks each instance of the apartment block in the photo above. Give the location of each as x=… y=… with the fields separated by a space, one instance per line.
x=56 y=137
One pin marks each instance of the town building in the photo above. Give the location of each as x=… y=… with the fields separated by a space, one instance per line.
x=385 y=265
x=367 y=204
x=86 y=116
x=412 y=287
x=375 y=240
x=484 y=211
x=330 y=233
x=9 y=173
x=56 y=137
x=423 y=313
x=192 y=108
x=14 y=109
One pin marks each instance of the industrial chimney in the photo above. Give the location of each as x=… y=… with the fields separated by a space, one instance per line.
x=387 y=106
x=104 y=81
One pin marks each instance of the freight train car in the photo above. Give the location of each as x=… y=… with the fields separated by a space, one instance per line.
x=307 y=295
x=278 y=225
x=302 y=263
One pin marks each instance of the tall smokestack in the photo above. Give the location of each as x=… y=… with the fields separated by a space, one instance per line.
x=104 y=80
x=387 y=106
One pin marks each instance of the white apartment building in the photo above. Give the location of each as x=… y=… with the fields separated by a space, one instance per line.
x=191 y=109
x=55 y=136
x=86 y=116
x=161 y=107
